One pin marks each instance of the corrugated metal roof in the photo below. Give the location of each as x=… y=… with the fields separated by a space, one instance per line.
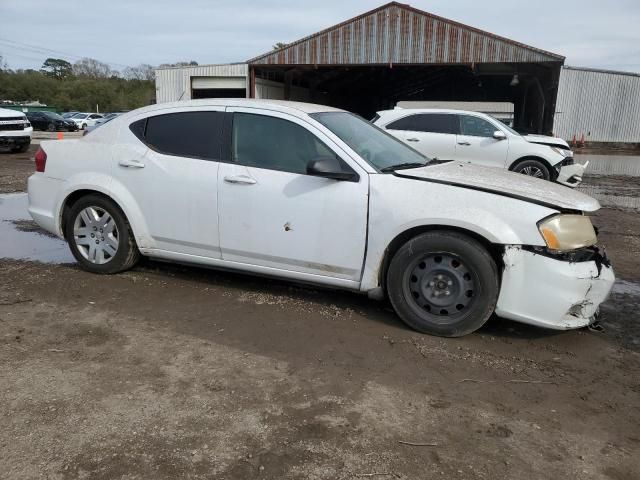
x=602 y=106
x=397 y=33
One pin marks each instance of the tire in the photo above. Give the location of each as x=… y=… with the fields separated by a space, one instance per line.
x=104 y=257
x=21 y=149
x=51 y=127
x=533 y=168
x=428 y=266
x=83 y=126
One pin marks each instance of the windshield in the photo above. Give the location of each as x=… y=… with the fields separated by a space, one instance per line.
x=370 y=142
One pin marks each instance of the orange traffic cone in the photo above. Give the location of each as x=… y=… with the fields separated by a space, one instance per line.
x=573 y=140
x=60 y=136
x=581 y=144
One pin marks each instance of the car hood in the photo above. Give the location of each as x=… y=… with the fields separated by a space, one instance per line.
x=504 y=183
x=546 y=140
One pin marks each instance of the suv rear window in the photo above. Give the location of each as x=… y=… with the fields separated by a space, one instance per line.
x=427 y=122
x=183 y=134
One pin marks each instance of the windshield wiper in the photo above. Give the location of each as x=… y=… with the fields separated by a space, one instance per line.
x=402 y=166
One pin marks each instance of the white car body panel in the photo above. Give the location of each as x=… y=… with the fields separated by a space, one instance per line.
x=488 y=151
x=316 y=230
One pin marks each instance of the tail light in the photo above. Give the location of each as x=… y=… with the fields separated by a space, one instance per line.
x=41 y=160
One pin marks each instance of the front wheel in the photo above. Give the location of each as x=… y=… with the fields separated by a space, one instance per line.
x=443 y=283
x=21 y=149
x=100 y=236
x=533 y=168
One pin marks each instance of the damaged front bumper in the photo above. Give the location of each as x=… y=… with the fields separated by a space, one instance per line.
x=571 y=175
x=558 y=292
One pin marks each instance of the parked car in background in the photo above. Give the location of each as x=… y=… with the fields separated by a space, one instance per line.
x=478 y=138
x=84 y=120
x=106 y=119
x=69 y=114
x=15 y=131
x=316 y=194
x=51 y=122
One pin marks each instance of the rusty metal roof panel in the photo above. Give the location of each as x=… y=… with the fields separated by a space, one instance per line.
x=397 y=33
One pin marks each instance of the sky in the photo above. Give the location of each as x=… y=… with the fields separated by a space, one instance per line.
x=589 y=33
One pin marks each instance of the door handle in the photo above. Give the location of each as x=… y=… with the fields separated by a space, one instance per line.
x=131 y=164
x=413 y=140
x=243 y=179
x=464 y=143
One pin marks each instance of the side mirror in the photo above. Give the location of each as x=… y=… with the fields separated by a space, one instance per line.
x=499 y=135
x=330 y=167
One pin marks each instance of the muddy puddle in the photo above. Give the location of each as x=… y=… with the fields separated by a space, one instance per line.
x=22 y=239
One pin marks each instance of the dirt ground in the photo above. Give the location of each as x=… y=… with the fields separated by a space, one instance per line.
x=171 y=372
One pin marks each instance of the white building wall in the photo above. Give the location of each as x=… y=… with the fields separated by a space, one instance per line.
x=175 y=83
x=603 y=106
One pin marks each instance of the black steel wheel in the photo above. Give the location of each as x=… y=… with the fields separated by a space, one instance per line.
x=443 y=283
x=51 y=127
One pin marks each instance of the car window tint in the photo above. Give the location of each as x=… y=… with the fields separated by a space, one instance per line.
x=138 y=127
x=273 y=143
x=405 y=123
x=476 y=127
x=185 y=134
x=435 y=123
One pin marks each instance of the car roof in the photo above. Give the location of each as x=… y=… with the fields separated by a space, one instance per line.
x=295 y=108
x=407 y=111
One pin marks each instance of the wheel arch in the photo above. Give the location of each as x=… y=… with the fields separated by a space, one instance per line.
x=127 y=206
x=495 y=250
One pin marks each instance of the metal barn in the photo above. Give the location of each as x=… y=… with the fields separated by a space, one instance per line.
x=390 y=54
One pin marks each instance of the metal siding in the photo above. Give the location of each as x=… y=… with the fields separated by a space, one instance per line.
x=604 y=106
x=174 y=83
x=400 y=34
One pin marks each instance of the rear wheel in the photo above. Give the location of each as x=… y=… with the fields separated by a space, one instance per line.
x=51 y=127
x=100 y=236
x=443 y=283
x=533 y=168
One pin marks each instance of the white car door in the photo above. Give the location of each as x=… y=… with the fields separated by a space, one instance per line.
x=476 y=144
x=169 y=164
x=432 y=134
x=272 y=214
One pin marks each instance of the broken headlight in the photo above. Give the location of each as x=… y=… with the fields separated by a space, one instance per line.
x=567 y=232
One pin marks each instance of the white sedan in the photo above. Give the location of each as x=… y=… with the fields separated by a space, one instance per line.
x=84 y=120
x=481 y=139
x=315 y=194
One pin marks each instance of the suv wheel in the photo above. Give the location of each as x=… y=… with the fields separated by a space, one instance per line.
x=533 y=168
x=100 y=236
x=443 y=283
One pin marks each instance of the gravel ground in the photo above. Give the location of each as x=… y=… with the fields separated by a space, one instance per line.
x=171 y=372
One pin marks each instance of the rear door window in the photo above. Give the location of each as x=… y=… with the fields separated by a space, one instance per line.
x=183 y=134
x=427 y=122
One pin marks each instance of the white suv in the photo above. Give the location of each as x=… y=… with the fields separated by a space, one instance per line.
x=481 y=139
x=15 y=130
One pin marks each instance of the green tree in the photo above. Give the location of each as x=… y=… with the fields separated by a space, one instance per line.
x=56 y=68
x=280 y=45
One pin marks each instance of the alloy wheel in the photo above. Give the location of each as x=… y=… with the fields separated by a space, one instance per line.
x=96 y=235
x=532 y=172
